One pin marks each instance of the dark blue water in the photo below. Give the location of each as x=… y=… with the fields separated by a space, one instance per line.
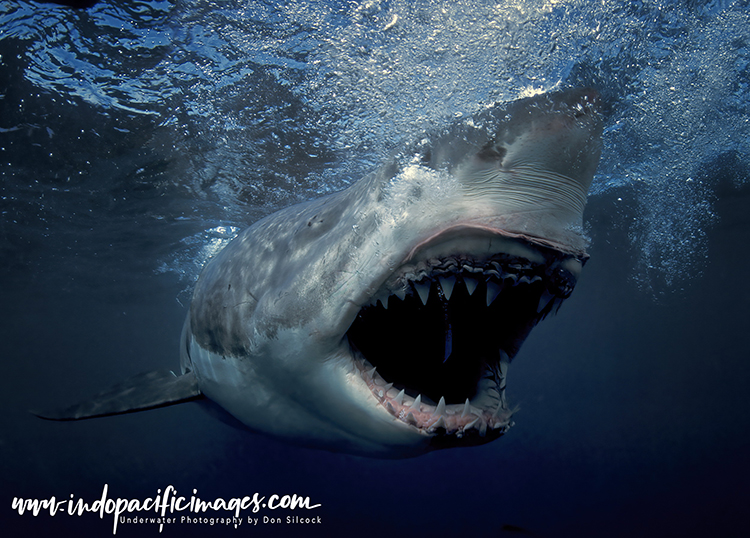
x=136 y=138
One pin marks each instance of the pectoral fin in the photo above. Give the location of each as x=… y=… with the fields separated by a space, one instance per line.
x=139 y=393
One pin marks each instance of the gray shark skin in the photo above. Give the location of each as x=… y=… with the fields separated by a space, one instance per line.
x=381 y=320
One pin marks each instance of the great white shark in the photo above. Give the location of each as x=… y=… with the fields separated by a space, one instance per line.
x=381 y=320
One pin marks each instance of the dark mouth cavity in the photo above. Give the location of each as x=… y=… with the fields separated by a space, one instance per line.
x=444 y=328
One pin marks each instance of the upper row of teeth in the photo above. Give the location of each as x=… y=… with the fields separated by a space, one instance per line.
x=446 y=284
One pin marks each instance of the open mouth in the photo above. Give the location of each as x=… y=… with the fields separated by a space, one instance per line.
x=435 y=344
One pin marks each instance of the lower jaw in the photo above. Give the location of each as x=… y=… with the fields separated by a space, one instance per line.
x=483 y=418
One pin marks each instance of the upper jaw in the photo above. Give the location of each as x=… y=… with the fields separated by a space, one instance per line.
x=434 y=342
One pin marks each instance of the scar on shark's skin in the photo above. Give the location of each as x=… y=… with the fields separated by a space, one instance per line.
x=381 y=320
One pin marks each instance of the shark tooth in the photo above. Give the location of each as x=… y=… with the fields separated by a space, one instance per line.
x=439 y=423
x=400 y=293
x=417 y=402
x=400 y=398
x=423 y=290
x=447 y=284
x=493 y=290
x=471 y=424
x=467 y=408
x=440 y=409
x=504 y=368
x=471 y=284
x=482 y=428
x=544 y=301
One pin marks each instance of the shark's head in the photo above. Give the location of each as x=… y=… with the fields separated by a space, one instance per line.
x=381 y=320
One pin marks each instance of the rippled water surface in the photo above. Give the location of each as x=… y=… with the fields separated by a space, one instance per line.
x=137 y=138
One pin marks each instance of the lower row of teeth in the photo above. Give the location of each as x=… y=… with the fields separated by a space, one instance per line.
x=456 y=419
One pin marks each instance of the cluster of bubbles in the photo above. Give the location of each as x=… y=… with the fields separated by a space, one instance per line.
x=277 y=102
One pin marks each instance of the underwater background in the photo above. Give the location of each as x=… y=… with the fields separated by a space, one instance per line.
x=137 y=138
